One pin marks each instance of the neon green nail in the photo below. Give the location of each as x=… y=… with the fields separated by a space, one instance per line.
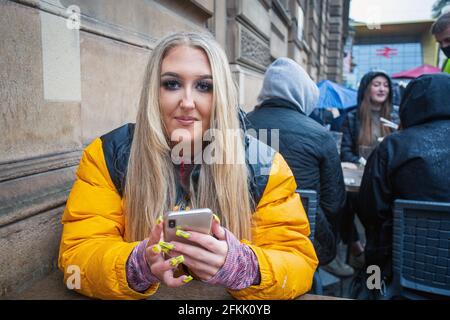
x=156 y=248
x=159 y=220
x=183 y=234
x=176 y=261
x=166 y=251
x=188 y=279
x=165 y=245
x=216 y=218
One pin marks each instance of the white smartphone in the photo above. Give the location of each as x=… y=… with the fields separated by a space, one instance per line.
x=198 y=220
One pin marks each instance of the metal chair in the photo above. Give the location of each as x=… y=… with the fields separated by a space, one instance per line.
x=421 y=249
x=309 y=201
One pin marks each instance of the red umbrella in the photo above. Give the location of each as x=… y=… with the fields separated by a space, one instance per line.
x=416 y=72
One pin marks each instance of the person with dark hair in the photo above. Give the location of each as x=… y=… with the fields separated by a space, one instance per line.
x=412 y=164
x=441 y=31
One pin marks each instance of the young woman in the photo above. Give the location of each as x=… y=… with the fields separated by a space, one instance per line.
x=362 y=131
x=363 y=128
x=130 y=177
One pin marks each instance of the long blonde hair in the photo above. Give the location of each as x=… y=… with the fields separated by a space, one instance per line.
x=150 y=187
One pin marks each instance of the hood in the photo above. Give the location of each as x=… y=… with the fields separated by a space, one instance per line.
x=367 y=79
x=286 y=79
x=426 y=99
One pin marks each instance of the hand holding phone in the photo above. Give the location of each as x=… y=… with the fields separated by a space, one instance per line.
x=198 y=220
x=204 y=249
x=158 y=264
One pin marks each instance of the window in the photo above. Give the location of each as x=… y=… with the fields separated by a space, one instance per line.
x=392 y=57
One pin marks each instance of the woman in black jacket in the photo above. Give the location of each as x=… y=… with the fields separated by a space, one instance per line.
x=363 y=129
x=413 y=164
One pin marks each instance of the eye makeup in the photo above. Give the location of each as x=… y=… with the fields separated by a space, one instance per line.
x=171 y=82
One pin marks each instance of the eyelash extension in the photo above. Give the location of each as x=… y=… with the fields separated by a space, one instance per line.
x=170 y=84
x=208 y=86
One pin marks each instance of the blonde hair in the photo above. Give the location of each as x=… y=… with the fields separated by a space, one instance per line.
x=150 y=187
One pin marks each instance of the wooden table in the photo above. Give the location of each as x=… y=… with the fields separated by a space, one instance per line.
x=352 y=178
x=199 y=291
x=52 y=288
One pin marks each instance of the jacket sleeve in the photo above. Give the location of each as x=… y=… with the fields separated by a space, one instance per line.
x=280 y=229
x=347 y=144
x=332 y=188
x=93 y=228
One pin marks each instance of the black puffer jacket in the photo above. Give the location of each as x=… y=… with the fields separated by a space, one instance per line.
x=312 y=155
x=351 y=125
x=411 y=164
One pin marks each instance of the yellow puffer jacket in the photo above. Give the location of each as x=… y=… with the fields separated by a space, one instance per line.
x=93 y=232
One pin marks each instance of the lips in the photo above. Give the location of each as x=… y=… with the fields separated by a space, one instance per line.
x=185 y=120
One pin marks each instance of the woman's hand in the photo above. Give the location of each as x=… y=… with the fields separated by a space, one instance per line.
x=161 y=268
x=206 y=255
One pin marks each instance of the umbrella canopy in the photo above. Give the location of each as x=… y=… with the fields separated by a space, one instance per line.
x=333 y=95
x=416 y=72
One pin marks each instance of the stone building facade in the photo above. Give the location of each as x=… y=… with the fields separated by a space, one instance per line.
x=61 y=86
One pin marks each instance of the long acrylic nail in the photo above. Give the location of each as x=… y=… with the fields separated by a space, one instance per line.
x=166 y=246
x=176 y=261
x=159 y=220
x=175 y=208
x=216 y=218
x=187 y=208
x=156 y=248
x=182 y=234
x=187 y=279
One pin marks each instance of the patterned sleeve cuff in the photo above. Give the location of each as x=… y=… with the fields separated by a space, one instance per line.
x=241 y=268
x=139 y=275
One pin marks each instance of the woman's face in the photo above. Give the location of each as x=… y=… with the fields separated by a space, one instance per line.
x=186 y=93
x=379 y=90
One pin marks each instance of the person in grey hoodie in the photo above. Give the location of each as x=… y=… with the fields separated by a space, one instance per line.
x=286 y=100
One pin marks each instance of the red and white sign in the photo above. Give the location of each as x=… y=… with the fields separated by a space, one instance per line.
x=387 y=52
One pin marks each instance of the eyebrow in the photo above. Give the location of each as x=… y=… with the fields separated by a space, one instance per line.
x=176 y=75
